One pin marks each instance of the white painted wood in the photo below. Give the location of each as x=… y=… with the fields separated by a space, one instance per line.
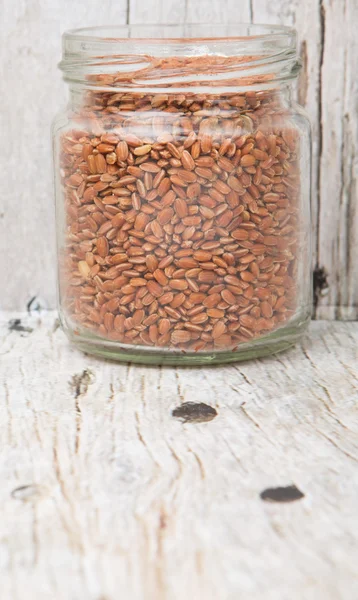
x=32 y=92
x=183 y=11
x=189 y=11
x=105 y=495
x=338 y=216
x=218 y=11
x=157 y=11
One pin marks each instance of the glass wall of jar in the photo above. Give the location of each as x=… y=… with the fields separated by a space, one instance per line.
x=182 y=169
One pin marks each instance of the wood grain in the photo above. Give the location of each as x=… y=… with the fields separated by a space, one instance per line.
x=105 y=493
x=218 y=11
x=32 y=93
x=338 y=198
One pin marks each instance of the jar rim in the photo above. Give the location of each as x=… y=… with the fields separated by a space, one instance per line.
x=190 y=31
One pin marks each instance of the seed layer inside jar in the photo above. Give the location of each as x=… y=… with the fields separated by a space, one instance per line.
x=181 y=218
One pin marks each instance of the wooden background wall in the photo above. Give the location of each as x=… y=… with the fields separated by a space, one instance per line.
x=31 y=92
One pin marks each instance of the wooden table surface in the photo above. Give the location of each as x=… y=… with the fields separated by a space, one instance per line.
x=105 y=494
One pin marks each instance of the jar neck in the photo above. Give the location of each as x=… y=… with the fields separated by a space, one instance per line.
x=237 y=59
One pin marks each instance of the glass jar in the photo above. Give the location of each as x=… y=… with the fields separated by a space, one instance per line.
x=182 y=169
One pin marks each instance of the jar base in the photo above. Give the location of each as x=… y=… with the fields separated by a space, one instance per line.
x=278 y=341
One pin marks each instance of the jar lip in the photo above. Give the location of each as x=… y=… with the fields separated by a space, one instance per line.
x=193 y=32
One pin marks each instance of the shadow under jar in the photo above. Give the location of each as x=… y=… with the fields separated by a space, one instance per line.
x=182 y=170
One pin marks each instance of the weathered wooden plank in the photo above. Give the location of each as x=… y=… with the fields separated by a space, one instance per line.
x=157 y=11
x=32 y=93
x=105 y=493
x=189 y=11
x=218 y=11
x=338 y=217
